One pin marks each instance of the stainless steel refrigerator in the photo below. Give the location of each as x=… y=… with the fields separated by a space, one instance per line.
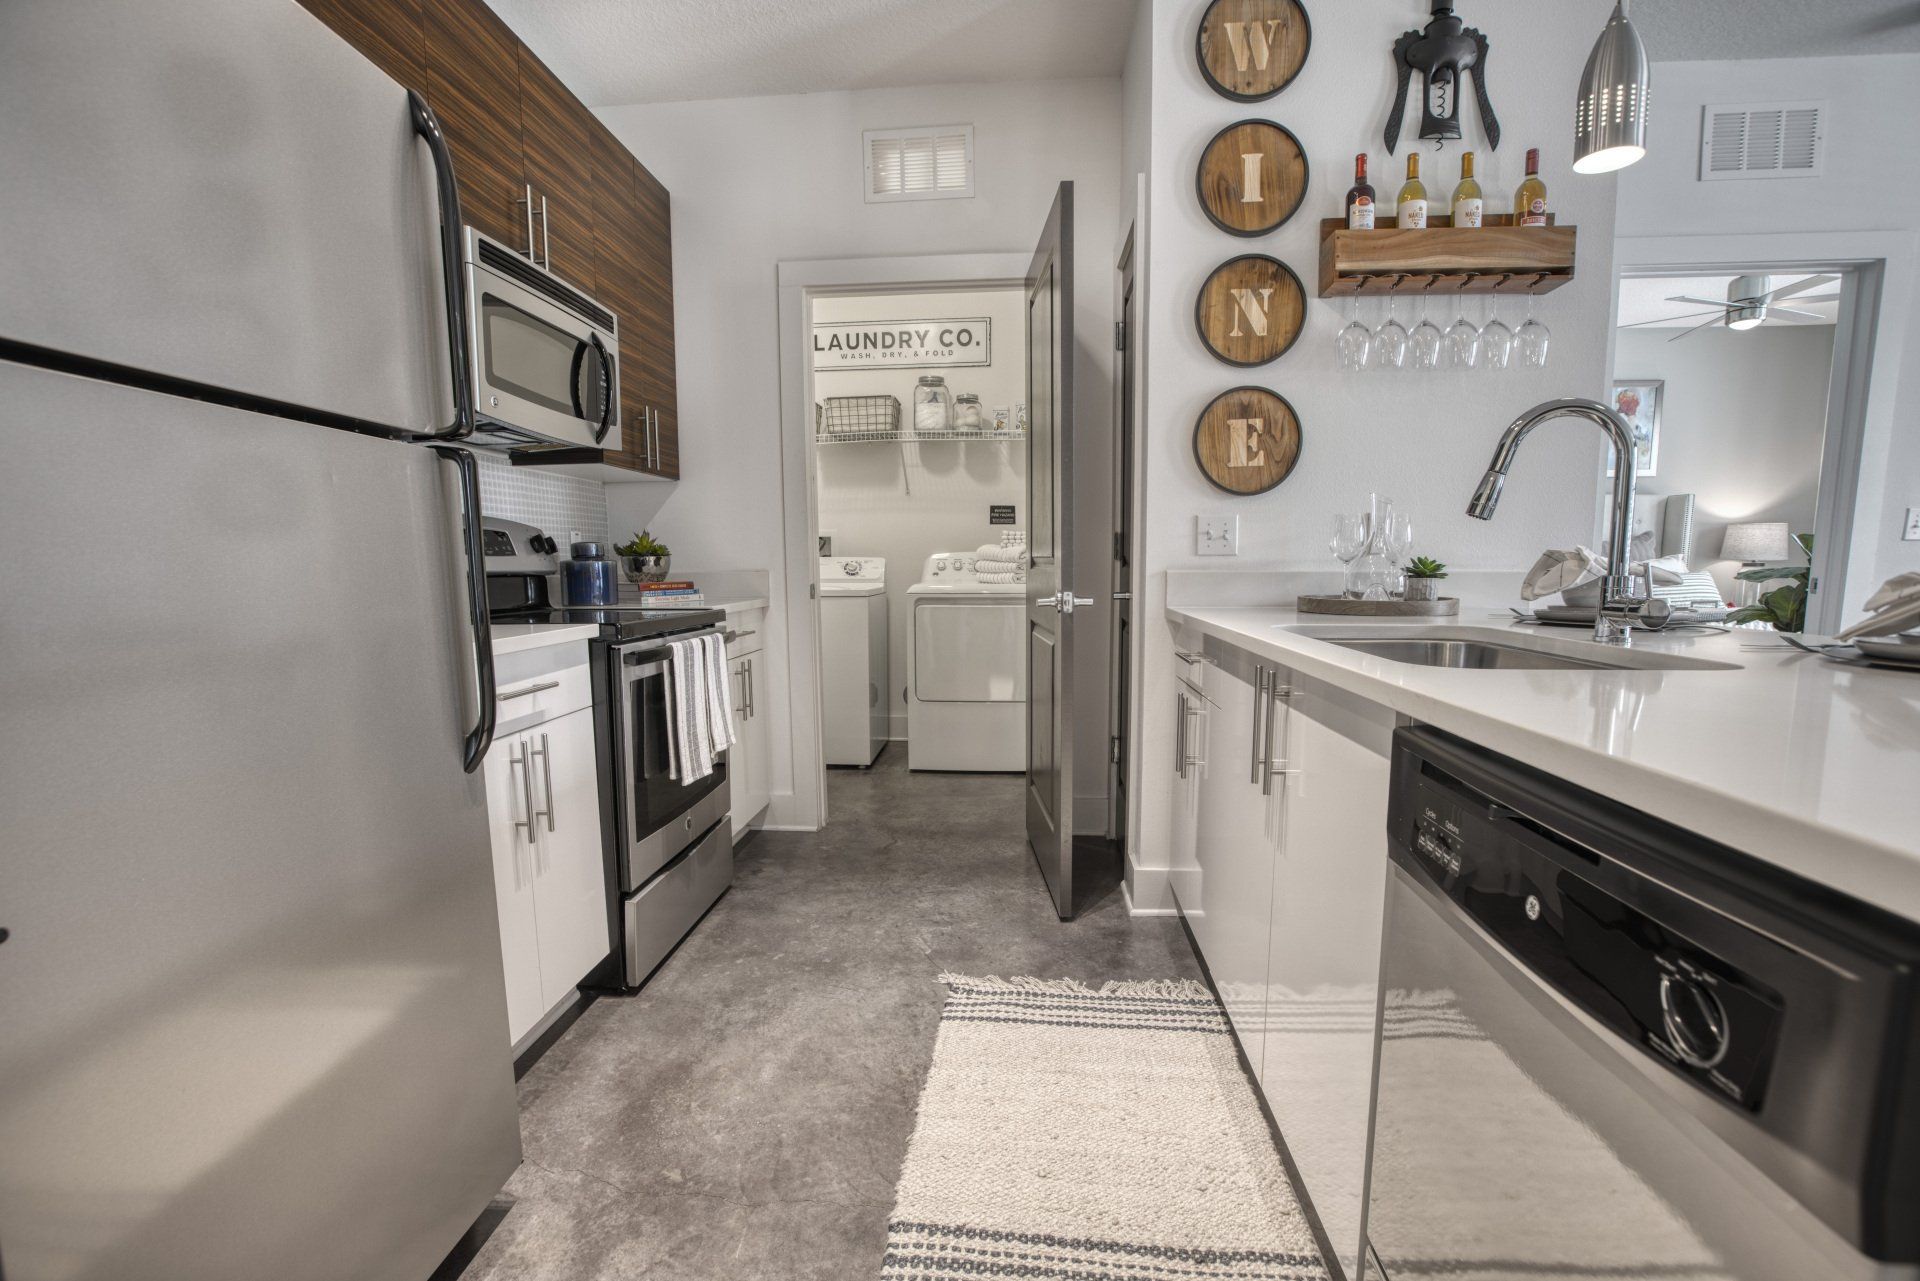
x=252 y=1022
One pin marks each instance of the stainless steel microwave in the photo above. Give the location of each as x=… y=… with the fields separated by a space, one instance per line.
x=545 y=357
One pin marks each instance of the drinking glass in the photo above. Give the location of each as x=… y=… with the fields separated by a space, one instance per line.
x=1534 y=338
x=1389 y=341
x=1463 y=341
x=1355 y=342
x=1496 y=340
x=1399 y=543
x=1427 y=341
x=1349 y=540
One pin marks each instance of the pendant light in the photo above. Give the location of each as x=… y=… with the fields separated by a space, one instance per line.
x=1610 y=128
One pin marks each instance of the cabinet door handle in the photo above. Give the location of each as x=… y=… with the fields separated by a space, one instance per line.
x=525 y=690
x=752 y=710
x=546 y=246
x=1260 y=675
x=1179 y=735
x=522 y=759
x=653 y=438
x=527 y=200
x=546 y=774
x=1276 y=694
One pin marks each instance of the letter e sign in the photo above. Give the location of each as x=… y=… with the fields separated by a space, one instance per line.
x=1247 y=440
x=1252 y=49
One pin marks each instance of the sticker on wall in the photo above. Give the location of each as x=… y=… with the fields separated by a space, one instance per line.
x=902 y=344
x=1252 y=177
x=1247 y=441
x=999 y=513
x=1250 y=310
x=1252 y=49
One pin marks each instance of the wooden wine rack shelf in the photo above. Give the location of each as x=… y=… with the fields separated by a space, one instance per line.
x=1498 y=258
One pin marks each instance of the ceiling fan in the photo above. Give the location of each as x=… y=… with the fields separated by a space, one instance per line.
x=1751 y=301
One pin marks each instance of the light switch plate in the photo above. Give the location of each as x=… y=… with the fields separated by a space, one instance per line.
x=1216 y=536
x=1912 y=532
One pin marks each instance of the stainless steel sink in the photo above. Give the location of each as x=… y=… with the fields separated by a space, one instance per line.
x=1491 y=649
x=1469 y=654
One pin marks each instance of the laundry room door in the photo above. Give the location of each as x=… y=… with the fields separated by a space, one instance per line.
x=1050 y=599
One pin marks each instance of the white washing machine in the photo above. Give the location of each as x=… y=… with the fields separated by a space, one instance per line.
x=853 y=657
x=966 y=670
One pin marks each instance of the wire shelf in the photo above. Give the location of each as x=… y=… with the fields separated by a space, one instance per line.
x=910 y=437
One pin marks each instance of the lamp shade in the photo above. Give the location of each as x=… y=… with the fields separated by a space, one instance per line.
x=1756 y=540
x=1610 y=122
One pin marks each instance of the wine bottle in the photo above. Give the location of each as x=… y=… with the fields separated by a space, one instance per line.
x=1360 y=197
x=1468 y=205
x=1412 y=205
x=1530 y=199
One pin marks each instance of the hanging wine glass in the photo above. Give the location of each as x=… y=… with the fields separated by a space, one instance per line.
x=1355 y=342
x=1496 y=340
x=1426 y=342
x=1389 y=341
x=1534 y=338
x=1463 y=341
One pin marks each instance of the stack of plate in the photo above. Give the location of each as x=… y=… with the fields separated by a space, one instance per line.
x=1901 y=652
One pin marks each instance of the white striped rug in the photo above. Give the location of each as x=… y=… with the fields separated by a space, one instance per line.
x=1069 y=1134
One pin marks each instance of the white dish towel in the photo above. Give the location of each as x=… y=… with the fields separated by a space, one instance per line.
x=699 y=706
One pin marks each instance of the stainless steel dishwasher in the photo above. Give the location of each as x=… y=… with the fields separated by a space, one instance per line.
x=1613 y=1048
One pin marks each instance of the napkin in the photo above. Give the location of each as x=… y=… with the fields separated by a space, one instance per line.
x=1561 y=568
x=1894 y=608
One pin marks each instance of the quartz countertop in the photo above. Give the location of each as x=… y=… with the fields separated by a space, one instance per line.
x=1808 y=765
x=512 y=638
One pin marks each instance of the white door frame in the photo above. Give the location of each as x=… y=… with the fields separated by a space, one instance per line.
x=800 y=282
x=1876 y=305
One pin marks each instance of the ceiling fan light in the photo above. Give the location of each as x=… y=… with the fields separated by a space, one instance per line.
x=1610 y=118
x=1737 y=321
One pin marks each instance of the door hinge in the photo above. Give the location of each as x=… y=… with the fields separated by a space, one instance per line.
x=1114 y=759
x=1119 y=335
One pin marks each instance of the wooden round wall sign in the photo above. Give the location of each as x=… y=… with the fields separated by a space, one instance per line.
x=1247 y=440
x=1252 y=177
x=1252 y=49
x=1251 y=310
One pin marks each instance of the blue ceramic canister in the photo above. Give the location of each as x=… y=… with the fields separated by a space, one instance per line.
x=589 y=577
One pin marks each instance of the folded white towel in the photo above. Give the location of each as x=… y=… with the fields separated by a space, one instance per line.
x=1001 y=552
x=1003 y=576
x=699 y=709
x=720 y=704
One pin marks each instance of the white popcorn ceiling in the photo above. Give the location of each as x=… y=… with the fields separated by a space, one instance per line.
x=612 y=52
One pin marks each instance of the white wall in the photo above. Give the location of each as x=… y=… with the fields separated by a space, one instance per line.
x=1742 y=423
x=758 y=181
x=1866 y=186
x=909 y=502
x=1423 y=439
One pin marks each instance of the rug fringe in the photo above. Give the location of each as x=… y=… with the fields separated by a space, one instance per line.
x=1186 y=989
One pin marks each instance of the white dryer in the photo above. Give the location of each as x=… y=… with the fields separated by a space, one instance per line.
x=853 y=657
x=966 y=670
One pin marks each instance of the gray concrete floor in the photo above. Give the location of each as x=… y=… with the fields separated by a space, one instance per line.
x=746 y=1115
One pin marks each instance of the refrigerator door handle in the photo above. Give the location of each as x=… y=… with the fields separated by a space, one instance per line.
x=427 y=125
x=481 y=736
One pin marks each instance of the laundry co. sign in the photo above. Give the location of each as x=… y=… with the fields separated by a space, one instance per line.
x=898 y=344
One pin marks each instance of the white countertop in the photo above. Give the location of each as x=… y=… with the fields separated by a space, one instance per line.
x=512 y=638
x=1809 y=765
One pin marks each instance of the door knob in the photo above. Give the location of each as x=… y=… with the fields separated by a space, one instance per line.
x=1065 y=602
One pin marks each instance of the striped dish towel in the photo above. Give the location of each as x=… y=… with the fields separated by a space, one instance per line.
x=699 y=709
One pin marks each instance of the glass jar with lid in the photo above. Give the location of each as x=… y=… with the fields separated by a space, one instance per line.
x=967 y=413
x=932 y=406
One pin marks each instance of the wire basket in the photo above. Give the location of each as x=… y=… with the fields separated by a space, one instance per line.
x=861 y=415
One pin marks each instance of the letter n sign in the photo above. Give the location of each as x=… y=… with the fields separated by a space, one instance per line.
x=1250 y=310
x=1252 y=49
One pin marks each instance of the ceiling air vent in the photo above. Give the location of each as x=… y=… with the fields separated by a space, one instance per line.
x=1762 y=140
x=933 y=163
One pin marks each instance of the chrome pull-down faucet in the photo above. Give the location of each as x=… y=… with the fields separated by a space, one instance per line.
x=1621 y=609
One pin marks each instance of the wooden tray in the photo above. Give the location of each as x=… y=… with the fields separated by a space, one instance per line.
x=1445 y=607
x=1443 y=259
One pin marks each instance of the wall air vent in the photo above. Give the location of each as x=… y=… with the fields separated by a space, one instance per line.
x=1762 y=140
x=933 y=163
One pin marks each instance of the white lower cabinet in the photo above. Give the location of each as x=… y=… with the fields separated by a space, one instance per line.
x=751 y=762
x=1284 y=893
x=1323 y=951
x=549 y=869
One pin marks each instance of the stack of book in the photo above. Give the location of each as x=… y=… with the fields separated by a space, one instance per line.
x=674 y=595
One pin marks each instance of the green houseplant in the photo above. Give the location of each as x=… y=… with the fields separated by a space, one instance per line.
x=645 y=558
x=1423 y=578
x=1785 y=606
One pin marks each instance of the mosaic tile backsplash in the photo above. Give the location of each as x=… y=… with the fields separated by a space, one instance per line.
x=557 y=503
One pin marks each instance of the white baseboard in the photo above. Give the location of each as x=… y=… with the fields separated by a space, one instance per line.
x=1133 y=909
x=1148 y=891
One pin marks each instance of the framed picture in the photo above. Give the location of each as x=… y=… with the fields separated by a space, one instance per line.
x=1638 y=400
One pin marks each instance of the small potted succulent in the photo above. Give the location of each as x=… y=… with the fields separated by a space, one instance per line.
x=645 y=558
x=1423 y=578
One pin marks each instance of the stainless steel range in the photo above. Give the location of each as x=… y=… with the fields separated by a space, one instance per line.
x=669 y=841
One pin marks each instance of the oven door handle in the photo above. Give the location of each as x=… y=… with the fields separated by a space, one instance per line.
x=639 y=668
x=480 y=737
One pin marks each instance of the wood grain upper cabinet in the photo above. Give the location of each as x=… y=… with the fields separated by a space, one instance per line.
x=388 y=32
x=616 y=238
x=655 y=212
x=557 y=132
x=473 y=82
